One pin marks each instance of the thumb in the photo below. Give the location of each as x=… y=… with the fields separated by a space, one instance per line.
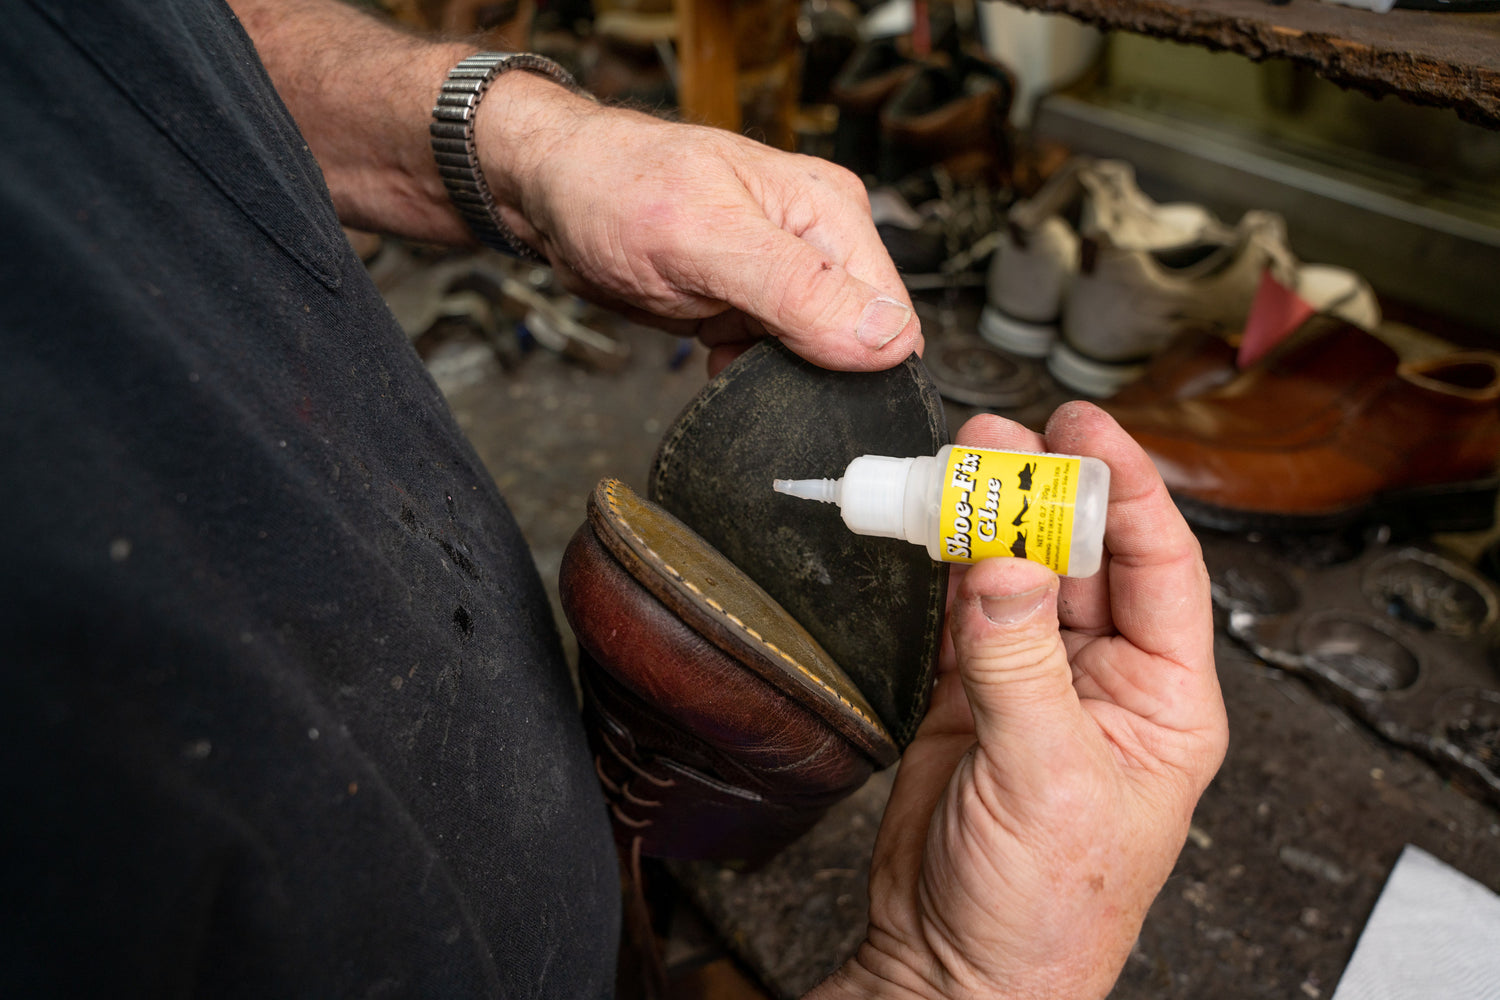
x=817 y=307
x=1015 y=668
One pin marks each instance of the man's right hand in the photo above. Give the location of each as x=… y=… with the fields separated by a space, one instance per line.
x=1073 y=727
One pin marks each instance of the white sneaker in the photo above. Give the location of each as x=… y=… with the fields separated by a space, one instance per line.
x=1339 y=292
x=1127 y=302
x=1038 y=253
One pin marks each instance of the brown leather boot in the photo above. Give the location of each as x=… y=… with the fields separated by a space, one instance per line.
x=720 y=728
x=1329 y=429
x=747 y=662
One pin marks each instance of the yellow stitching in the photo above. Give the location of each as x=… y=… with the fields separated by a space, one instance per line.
x=614 y=505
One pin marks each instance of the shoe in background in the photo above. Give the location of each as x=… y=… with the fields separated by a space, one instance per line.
x=952 y=111
x=914 y=240
x=1202 y=357
x=946 y=239
x=1039 y=246
x=1321 y=288
x=862 y=87
x=1124 y=304
x=1332 y=428
x=1198 y=359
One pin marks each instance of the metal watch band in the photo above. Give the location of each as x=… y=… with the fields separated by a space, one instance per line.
x=453 y=144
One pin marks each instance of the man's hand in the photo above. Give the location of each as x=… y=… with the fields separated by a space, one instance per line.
x=698 y=230
x=1048 y=792
x=721 y=236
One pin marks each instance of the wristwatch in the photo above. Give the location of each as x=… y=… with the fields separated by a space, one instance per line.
x=453 y=146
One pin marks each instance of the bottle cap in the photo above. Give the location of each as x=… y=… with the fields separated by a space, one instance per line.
x=873 y=496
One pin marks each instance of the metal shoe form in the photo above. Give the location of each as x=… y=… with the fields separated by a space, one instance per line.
x=1402 y=636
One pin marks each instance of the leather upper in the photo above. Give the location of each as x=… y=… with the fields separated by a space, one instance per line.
x=1326 y=421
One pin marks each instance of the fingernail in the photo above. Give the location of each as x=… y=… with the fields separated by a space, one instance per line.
x=880 y=323
x=1012 y=609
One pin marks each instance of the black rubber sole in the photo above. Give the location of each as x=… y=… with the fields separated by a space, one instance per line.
x=1412 y=513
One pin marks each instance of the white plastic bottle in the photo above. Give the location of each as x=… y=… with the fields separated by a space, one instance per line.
x=965 y=504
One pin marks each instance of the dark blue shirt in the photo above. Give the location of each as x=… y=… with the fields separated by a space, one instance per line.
x=284 y=713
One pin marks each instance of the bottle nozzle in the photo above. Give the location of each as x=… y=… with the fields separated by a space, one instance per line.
x=823 y=490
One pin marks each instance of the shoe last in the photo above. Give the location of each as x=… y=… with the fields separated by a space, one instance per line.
x=1401 y=636
x=862 y=87
x=951 y=111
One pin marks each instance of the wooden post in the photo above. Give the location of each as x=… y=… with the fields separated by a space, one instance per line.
x=707 y=66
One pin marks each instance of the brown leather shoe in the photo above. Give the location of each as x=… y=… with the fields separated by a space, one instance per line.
x=720 y=728
x=745 y=662
x=1197 y=360
x=1331 y=428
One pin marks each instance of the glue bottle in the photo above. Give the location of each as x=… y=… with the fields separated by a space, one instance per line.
x=965 y=504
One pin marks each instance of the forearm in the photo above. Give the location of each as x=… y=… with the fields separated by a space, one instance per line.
x=362 y=93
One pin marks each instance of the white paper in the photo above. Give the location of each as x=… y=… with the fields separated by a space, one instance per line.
x=1434 y=935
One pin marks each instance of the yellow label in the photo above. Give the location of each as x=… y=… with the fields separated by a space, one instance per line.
x=1002 y=503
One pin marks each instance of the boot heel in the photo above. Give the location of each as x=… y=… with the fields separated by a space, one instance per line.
x=1450 y=507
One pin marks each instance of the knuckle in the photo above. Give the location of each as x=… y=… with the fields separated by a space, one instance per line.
x=804 y=301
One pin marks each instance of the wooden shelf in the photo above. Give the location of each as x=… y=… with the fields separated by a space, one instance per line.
x=1443 y=59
